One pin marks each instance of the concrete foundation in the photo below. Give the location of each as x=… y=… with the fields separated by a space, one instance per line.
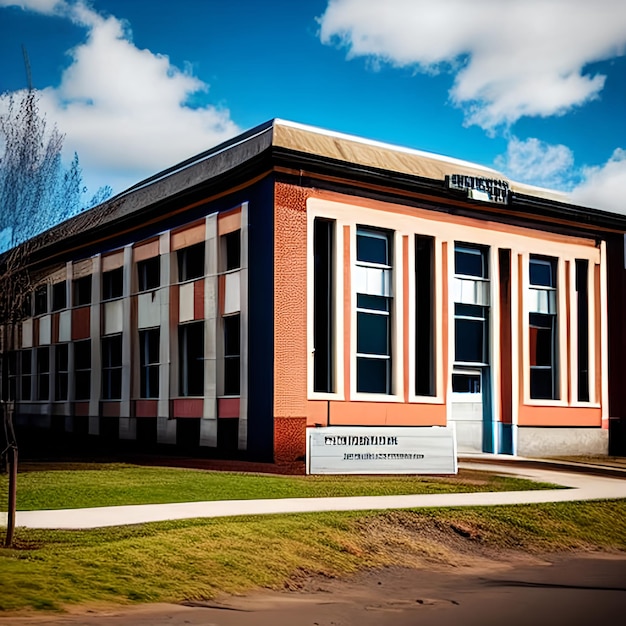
x=544 y=442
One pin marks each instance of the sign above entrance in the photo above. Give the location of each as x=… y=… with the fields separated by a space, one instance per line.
x=483 y=189
x=381 y=450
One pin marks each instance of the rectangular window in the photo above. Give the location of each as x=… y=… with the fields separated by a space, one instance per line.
x=82 y=291
x=470 y=334
x=61 y=353
x=191 y=262
x=232 y=355
x=582 y=292
x=9 y=376
x=112 y=367
x=113 y=284
x=542 y=331
x=149 y=274
x=232 y=250
x=43 y=374
x=424 y=322
x=471 y=300
x=323 y=318
x=149 y=346
x=191 y=359
x=82 y=369
x=41 y=300
x=59 y=296
x=26 y=371
x=373 y=313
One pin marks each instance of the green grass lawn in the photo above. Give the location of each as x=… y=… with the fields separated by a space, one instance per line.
x=198 y=559
x=79 y=485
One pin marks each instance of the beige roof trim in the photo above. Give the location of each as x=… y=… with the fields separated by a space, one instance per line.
x=384 y=156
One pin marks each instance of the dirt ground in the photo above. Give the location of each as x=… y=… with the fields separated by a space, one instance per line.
x=568 y=590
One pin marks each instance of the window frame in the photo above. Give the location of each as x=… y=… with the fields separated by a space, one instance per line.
x=369 y=360
x=111 y=368
x=149 y=363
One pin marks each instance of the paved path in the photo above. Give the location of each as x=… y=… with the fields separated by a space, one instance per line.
x=581 y=487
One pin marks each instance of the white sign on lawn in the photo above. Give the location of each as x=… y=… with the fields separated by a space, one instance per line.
x=381 y=450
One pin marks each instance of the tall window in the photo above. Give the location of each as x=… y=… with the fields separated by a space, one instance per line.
x=424 y=323
x=112 y=367
x=232 y=355
x=41 y=300
x=542 y=324
x=61 y=352
x=323 y=318
x=113 y=284
x=26 y=372
x=232 y=250
x=149 y=274
x=149 y=346
x=82 y=369
x=373 y=313
x=582 y=293
x=471 y=310
x=59 y=296
x=43 y=374
x=191 y=359
x=82 y=291
x=191 y=262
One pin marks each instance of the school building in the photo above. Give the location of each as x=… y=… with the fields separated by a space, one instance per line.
x=294 y=278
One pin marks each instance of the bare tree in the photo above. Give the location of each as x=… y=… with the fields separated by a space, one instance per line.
x=36 y=192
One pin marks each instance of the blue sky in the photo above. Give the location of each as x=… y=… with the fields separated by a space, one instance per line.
x=535 y=88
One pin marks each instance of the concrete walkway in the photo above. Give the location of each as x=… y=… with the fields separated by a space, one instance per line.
x=582 y=486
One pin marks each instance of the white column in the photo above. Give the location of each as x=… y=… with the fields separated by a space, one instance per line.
x=243 y=322
x=208 y=425
x=166 y=428
x=94 y=332
x=127 y=424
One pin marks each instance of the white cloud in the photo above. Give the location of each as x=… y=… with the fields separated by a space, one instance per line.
x=511 y=58
x=47 y=7
x=538 y=163
x=603 y=187
x=124 y=109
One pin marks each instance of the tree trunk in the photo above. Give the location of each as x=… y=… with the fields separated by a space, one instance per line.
x=12 y=462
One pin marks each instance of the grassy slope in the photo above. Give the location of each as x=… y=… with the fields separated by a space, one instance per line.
x=83 y=485
x=197 y=559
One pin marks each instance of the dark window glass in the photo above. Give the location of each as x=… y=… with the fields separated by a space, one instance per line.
x=191 y=359
x=191 y=262
x=26 y=370
x=582 y=289
x=82 y=369
x=232 y=352
x=113 y=284
x=232 y=243
x=61 y=353
x=373 y=375
x=112 y=367
x=375 y=303
x=323 y=314
x=41 y=300
x=43 y=374
x=82 y=291
x=466 y=383
x=424 y=322
x=542 y=351
x=470 y=261
x=149 y=346
x=373 y=333
x=149 y=274
x=542 y=272
x=470 y=339
x=372 y=247
x=59 y=296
